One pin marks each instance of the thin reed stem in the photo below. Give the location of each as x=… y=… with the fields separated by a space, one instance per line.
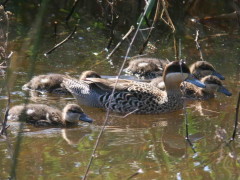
x=236 y=119
x=108 y=110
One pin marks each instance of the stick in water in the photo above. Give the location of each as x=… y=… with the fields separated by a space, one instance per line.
x=59 y=44
x=236 y=120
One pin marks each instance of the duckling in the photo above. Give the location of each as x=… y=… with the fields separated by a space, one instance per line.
x=201 y=69
x=89 y=74
x=213 y=84
x=198 y=69
x=133 y=96
x=50 y=83
x=43 y=115
x=146 y=67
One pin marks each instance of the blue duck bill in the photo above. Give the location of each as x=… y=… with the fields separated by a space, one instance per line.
x=196 y=82
x=85 y=118
x=218 y=75
x=224 y=91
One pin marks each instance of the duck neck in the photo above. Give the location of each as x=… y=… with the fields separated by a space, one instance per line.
x=207 y=93
x=173 y=89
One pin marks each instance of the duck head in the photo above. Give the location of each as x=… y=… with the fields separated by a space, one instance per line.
x=175 y=73
x=72 y=113
x=214 y=84
x=89 y=74
x=203 y=68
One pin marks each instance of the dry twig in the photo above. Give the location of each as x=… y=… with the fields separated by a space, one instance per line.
x=151 y=28
x=61 y=43
x=123 y=38
x=113 y=23
x=108 y=110
x=198 y=45
x=169 y=20
x=4 y=23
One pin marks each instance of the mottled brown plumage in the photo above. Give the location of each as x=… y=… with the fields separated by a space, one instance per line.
x=43 y=115
x=50 y=83
x=201 y=69
x=213 y=85
x=146 y=67
x=130 y=95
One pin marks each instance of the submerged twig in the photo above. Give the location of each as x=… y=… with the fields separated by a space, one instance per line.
x=186 y=115
x=236 y=119
x=126 y=115
x=72 y=10
x=151 y=29
x=108 y=109
x=61 y=43
x=133 y=175
x=123 y=38
x=198 y=45
x=4 y=123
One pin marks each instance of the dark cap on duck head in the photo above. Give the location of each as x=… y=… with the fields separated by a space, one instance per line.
x=176 y=66
x=204 y=65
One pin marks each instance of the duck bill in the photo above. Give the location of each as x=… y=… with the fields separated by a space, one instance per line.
x=195 y=82
x=224 y=91
x=85 y=118
x=218 y=75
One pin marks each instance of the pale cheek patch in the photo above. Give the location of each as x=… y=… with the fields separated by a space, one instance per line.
x=44 y=80
x=212 y=87
x=176 y=77
x=142 y=64
x=72 y=117
x=161 y=85
x=10 y=117
x=30 y=111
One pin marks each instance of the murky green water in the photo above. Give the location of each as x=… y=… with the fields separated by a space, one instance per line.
x=138 y=146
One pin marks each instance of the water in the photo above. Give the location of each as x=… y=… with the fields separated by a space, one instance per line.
x=138 y=146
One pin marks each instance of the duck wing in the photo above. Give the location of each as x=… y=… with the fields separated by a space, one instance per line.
x=109 y=84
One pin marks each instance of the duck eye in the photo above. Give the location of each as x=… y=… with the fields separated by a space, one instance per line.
x=74 y=111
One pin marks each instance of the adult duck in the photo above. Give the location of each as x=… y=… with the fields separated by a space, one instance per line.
x=133 y=96
x=43 y=115
x=198 y=69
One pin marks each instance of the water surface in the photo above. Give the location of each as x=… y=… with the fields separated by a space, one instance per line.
x=137 y=146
